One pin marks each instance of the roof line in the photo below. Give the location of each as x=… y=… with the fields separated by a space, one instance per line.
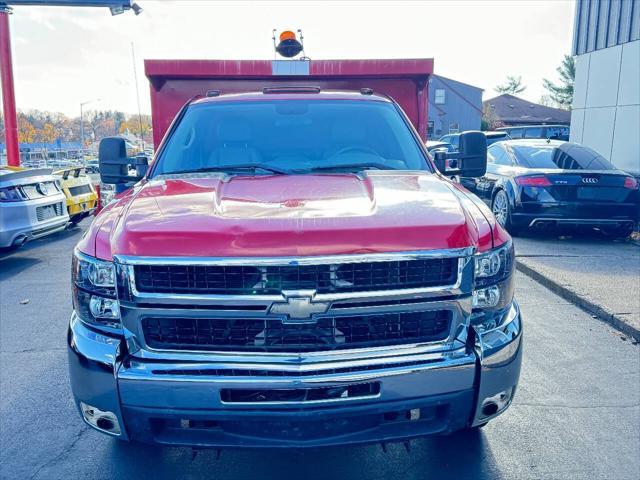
x=457 y=81
x=460 y=95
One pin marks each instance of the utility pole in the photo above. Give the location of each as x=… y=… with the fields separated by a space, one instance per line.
x=8 y=97
x=135 y=79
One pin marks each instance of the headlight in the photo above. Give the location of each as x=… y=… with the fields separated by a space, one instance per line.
x=493 y=266
x=493 y=291
x=94 y=291
x=12 y=194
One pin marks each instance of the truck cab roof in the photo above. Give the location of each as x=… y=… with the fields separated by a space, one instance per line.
x=281 y=93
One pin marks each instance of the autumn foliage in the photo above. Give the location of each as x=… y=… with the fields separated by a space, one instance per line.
x=36 y=126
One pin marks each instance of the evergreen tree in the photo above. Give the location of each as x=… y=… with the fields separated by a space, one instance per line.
x=562 y=93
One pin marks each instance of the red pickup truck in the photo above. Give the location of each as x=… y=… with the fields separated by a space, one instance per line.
x=292 y=270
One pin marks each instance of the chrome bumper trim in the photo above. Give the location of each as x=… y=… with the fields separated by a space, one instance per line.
x=385 y=367
x=580 y=221
x=500 y=356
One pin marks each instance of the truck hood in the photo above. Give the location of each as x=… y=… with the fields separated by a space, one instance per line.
x=291 y=215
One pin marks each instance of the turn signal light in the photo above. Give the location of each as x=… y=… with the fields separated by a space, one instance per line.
x=533 y=181
x=630 y=183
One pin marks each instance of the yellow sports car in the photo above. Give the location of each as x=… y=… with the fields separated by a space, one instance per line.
x=82 y=199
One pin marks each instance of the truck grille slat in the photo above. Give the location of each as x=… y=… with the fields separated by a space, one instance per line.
x=327 y=333
x=334 y=278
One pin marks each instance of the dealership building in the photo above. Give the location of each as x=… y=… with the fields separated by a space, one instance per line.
x=606 y=100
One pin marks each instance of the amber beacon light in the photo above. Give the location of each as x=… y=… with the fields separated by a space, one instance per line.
x=288 y=44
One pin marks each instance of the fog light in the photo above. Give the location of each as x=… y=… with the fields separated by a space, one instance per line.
x=102 y=307
x=497 y=403
x=104 y=421
x=486 y=297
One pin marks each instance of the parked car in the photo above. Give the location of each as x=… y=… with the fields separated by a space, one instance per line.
x=492 y=137
x=438 y=145
x=31 y=205
x=91 y=165
x=77 y=186
x=292 y=258
x=539 y=184
x=552 y=132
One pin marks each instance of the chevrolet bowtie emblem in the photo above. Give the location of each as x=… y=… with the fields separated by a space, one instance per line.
x=298 y=306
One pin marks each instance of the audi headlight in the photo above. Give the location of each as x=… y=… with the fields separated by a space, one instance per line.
x=493 y=291
x=94 y=291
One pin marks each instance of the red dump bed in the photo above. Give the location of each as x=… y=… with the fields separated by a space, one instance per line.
x=174 y=82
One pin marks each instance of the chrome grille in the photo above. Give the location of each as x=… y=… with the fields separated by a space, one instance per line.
x=273 y=335
x=325 y=278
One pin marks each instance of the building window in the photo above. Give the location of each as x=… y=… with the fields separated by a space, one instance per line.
x=441 y=96
x=454 y=127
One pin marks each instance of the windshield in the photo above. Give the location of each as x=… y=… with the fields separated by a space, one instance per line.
x=291 y=136
x=567 y=156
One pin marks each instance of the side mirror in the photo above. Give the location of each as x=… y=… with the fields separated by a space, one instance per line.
x=469 y=161
x=142 y=165
x=444 y=163
x=473 y=154
x=440 y=160
x=113 y=163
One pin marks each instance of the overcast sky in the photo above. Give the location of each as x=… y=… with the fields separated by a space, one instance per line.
x=64 y=56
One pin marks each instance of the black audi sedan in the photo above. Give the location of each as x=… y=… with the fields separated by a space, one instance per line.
x=547 y=183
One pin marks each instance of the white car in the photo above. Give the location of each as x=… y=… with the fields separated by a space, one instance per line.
x=32 y=205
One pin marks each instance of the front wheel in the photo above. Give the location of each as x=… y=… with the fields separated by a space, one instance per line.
x=502 y=211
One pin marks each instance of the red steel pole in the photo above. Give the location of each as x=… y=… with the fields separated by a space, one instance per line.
x=8 y=93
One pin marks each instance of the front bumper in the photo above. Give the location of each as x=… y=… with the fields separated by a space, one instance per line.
x=19 y=221
x=177 y=403
x=82 y=204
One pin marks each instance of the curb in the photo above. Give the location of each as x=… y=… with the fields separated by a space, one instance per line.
x=579 y=301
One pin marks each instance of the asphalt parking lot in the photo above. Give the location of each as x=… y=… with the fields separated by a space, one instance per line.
x=590 y=270
x=576 y=414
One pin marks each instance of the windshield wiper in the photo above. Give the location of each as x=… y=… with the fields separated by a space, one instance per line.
x=231 y=168
x=351 y=166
